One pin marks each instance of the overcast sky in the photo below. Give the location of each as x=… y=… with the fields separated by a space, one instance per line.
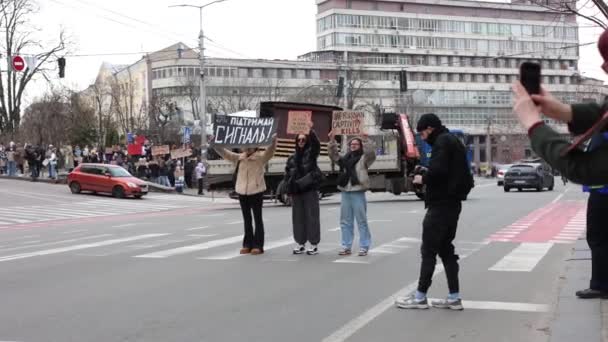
x=123 y=29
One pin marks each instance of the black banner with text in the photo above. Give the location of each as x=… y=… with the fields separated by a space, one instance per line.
x=237 y=131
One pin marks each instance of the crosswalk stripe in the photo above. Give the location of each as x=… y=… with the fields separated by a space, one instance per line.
x=392 y=247
x=55 y=242
x=192 y=248
x=523 y=258
x=236 y=254
x=78 y=247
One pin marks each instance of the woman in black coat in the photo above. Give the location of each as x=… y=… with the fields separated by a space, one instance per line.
x=302 y=180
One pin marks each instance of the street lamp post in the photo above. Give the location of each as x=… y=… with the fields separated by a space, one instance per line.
x=202 y=96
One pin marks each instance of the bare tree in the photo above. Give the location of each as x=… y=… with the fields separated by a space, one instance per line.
x=17 y=39
x=243 y=94
x=355 y=83
x=570 y=7
x=163 y=111
x=129 y=115
x=58 y=117
x=190 y=89
x=324 y=94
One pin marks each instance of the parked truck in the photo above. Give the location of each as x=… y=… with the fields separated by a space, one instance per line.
x=392 y=171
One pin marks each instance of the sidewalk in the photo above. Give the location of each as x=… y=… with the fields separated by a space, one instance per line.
x=579 y=319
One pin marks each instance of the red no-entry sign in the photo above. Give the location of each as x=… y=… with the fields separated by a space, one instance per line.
x=18 y=63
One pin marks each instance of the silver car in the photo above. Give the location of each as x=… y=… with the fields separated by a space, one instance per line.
x=500 y=173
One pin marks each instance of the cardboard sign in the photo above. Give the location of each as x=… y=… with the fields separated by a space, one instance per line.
x=237 y=131
x=297 y=122
x=181 y=153
x=347 y=123
x=109 y=150
x=160 y=150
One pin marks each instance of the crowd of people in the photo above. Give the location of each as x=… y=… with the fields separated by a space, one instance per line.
x=47 y=161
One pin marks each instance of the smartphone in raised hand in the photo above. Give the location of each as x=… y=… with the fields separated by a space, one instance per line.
x=529 y=76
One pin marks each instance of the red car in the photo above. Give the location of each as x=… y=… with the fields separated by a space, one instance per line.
x=106 y=178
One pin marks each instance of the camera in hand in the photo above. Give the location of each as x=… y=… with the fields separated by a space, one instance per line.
x=529 y=76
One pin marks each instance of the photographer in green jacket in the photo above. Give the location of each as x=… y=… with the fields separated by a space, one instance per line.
x=585 y=167
x=578 y=166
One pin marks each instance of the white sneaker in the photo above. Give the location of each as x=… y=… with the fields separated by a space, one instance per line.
x=452 y=304
x=312 y=250
x=299 y=249
x=410 y=302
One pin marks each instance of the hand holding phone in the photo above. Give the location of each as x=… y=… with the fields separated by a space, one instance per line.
x=529 y=76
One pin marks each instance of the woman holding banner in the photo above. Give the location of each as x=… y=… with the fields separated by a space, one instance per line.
x=250 y=186
x=353 y=181
x=302 y=180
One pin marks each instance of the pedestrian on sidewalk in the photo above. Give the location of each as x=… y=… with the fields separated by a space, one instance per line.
x=164 y=173
x=11 y=157
x=154 y=171
x=302 y=181
x=448 y=182
x=353 y=182
x=52 y=162
x=188 y=172
x=3 y=159
x=250 y=186
x=200 y=171
x=142 y=168
x=589 y=166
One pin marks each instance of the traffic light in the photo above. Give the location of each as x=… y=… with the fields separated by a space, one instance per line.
x=340 y=90
x=402 y=81
x=61 y=64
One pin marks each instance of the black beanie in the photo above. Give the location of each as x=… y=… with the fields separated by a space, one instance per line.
x=428 y=120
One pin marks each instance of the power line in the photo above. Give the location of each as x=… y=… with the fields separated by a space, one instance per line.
x=155 y=30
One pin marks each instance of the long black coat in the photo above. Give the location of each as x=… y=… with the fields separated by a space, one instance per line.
x=302 y=164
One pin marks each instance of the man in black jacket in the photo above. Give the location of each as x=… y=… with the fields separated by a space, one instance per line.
x=448 y=180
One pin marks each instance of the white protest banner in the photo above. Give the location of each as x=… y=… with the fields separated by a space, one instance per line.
x=160 y=150
x=181 y=153
x=237 y=131
x=347 y=123
x=297 y=122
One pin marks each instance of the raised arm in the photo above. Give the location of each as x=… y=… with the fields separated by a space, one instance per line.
x=269 y=152
x=226 y=154
x=332 y=148
x=315 y=144
x=369 y=151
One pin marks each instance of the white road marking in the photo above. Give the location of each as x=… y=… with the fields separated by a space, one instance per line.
x=235 y=222
x=192 y=248
x=372 y=221
x=74 y=231
x=124 y=225
x=523 y=258
x=236 y=254
x=201 y=235
x=557 y=198
x=357 y=323
x=332 y=209
x=392 y=247
x=77 y=247
x=55 y=242
x=409 y=239
x=334 y=229
x=503 y=306
x=354 y=325
x=197 y=228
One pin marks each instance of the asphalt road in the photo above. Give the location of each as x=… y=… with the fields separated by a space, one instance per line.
x=165 y=268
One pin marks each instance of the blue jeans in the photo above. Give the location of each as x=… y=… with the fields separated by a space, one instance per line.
x=164 y=180
x=354 y=206
x=12 y=168
x=52 y=170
